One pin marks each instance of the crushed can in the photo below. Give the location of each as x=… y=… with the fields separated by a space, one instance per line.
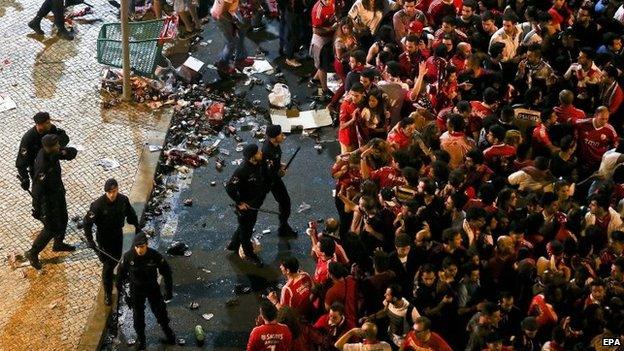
x=200 y=336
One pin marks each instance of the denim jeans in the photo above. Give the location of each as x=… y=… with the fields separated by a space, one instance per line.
x=234 y=34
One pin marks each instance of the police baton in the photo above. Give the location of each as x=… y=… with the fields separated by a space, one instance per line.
x=28 y=190
x=255 y=209
x=98 y=249
x=292 y=158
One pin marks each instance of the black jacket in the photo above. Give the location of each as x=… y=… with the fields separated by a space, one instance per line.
x=30 y=146
x=142 y=271
x=271 y=161
x=247 y=184
x=47 y=182
x=109 y=217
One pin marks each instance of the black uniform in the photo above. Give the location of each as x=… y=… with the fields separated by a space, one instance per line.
x=142 y=274
x=272 y=160
x=29 y=148
x=248 y=185
x=48 y=198
x=109 y=217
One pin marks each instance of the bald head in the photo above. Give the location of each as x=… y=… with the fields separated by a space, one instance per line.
x=370 y=331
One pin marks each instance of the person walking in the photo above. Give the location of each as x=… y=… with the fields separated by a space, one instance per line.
x=57 y=7
x=31 y=144
x=48 y=198
x=140 y=266
x=109 y=213
x=248 y=188
x=234 y=28
x=274 y=171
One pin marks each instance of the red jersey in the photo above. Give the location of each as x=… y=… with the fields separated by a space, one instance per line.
x=321 y=273
x=409 y=64
x=498 y=156
x=323 y=16
x=345 y=292
x=546 y=314
x=594 y=142
x=347 y=136
x=435 y=342
x=399 y=138
x=387 y=177
x=568 y=114
x=296 y=294
x=270 y=337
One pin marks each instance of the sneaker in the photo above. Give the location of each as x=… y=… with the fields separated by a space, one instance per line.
x=293 y=62
x=34 y=260
x=63 y=247
x=35 y=25
x=65 y=34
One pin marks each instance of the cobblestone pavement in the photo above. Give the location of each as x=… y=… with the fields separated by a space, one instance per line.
x=48 y=310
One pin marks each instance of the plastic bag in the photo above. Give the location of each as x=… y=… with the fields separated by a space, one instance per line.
x=280 y=96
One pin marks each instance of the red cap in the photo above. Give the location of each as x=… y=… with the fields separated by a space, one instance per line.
x=416 y=26
x=555 y=16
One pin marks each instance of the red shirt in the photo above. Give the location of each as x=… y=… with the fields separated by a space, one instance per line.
x=347 y=136
x=593 y=143
x=545 y=312
x=568 y=114
x=296 y=294
x=270 y=337
x=321 y=273
x=435 y=342
x=409 y=64
x=323 y=16
x=345 y=292
x=494 y=154
x=398 y=137
x=438 y=10
x=387 y=177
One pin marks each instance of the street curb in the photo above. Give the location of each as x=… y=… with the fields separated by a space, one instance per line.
x=99 y=319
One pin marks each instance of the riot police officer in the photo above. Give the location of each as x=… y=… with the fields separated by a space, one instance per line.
x=31 y=144
x=248 y=188
x=109 y=213
x=274 y=171
x=141 y=266
x=48 y=198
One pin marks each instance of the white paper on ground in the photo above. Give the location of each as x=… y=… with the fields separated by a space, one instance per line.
x=262 y=66
x=193 y=63
x=6 y=103
x=307 y=119
x=333 y=82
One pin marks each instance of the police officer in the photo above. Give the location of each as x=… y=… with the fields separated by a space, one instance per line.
x=274 y=171
x=109 y=213
x=141 y=266
x=48 y=198
x=248 y=188
x=31 y=144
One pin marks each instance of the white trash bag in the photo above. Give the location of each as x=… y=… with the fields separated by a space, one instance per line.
x=280 y=95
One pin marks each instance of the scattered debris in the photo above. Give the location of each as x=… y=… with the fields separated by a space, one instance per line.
x=200 y=336
x=188 y=202
x=207 y=316
x=6 y=103
x=108 y=163
x=240 y=289
x=280 y=95
x=193 y=305
x=303 y=207
x=154 y=148
x=266 y=231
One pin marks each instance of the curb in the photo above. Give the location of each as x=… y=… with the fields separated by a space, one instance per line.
x=99 y=319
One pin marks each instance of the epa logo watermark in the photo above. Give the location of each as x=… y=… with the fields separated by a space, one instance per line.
x=613 y=342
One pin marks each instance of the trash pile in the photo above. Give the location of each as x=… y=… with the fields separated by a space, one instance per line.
x=155 y=93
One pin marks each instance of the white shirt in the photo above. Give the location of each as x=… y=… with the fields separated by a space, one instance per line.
x=511 y=43
x=608 y=163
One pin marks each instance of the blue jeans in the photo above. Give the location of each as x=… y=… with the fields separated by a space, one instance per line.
x=234 y=39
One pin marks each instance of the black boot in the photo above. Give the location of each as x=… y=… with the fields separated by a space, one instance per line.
x=170 y=338
x=140 y=344
x=35 y=25
x=108 y=298
x=286 y=231
x=63 y=246
x=63 y=33
x=34 y=260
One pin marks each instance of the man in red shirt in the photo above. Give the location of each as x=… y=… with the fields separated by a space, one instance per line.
x=323 y=28
x=498 y=156
x=269 y=335
x=400 y=137
x=566 y=112
x=440 y=9
x=332 y=326
x=343 y=290
x=542 y=146
x=411 y=58
x=422 y=338
x=595 y=137
x=296 y=293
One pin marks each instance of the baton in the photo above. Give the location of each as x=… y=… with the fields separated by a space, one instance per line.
x=292 y=158
x=256 y=209
x=99 y=250
x=28 y=190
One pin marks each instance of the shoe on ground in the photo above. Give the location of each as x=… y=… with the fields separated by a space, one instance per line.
x=225 y=70
x=63 y=247
x=140 y=345
x=35 y=25
x=246 y=62
x=170 y=338
x=108 y=299
x=313 y=83
x=286 y=231
x=34 y=260
x=293 y=62
x=231 y=247
x=65 y=34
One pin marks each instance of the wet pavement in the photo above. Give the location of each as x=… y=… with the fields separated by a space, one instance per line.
x=210 y=275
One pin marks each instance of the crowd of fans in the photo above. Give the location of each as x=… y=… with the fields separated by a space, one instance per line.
x=480 y=182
